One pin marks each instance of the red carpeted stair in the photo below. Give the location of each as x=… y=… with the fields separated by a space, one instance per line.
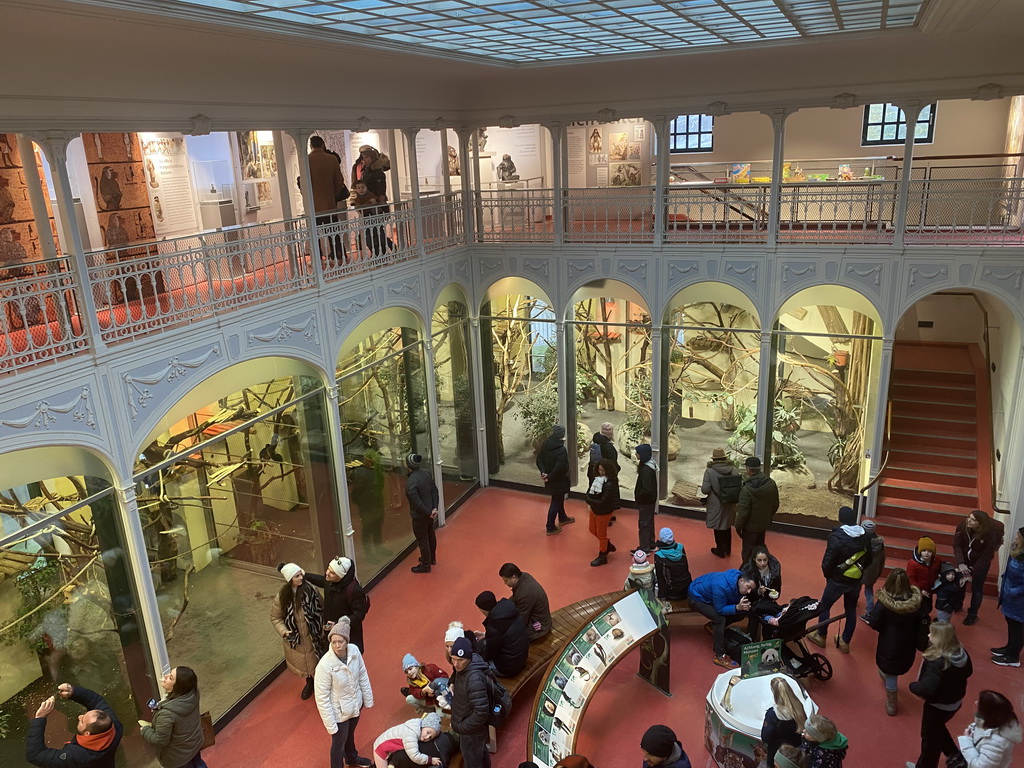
x=939 y=467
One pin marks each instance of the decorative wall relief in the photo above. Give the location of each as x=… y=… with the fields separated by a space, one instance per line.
x=536 y=267
x=298 y=330
x=409 y=289
x=745 y=270
x=867 y=275
x=1006 y=279
x=68 y=411
x=346 y=310
x=151 y=382
x=634 y=270
x=799 y=272
x=576 y=268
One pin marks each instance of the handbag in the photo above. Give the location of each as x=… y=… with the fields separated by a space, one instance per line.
x=209 y=737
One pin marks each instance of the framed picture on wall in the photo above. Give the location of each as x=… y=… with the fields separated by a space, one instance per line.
x=617 y=147
x=595 y=144
x=640 y=132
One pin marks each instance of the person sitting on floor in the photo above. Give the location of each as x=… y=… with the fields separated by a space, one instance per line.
x=427 y=684
x=408 y=736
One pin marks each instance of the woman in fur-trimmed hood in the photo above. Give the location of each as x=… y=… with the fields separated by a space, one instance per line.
x=898 y=616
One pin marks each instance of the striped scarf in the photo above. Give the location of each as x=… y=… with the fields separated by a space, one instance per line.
x=313 y=610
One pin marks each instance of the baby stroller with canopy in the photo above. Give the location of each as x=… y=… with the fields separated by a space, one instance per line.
x=791 y=630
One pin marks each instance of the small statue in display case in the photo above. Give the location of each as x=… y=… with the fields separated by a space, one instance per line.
x=481 y=139
x=507 y=169
x=454 y=168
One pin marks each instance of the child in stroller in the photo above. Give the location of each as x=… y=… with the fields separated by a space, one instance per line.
x=789 y=625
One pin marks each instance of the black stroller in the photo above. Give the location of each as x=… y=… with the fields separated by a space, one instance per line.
x=791 y=630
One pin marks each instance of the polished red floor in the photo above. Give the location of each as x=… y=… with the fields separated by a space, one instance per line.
x=410 y=613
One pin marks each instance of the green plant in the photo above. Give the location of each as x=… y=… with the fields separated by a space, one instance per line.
x=35 y=586
x=785 y=424
x=538 y=410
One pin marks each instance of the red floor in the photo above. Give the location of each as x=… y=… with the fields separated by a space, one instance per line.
x=410 y=613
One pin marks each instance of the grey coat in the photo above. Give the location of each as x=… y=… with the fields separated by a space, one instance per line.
x=720 y=516
x=176 y=733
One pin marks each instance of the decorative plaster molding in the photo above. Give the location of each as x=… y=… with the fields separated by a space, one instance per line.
x=341 y=313
x=579 y=265
x=201 y=125
x=636 y=268
x=284 y=331
x=844 y=101
x=507 y=121
x=915 y=271
x=674 y=268
x=1015 y=275
x=537 y=266
x=439 y=124
x=606 y=115
x=436 y=275
x=137 y=386
x=405 y=289
x=489 y=265
x=988 y=92
x=42 y=415
x=787 y=269
x=751 y=268
x=717 y=109
x=362 y=124
x=875 y=270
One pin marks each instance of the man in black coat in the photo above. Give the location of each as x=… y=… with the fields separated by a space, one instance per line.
x=423 y=503
x=847 y=554
x=471 y=703
x=343 y=596
x=93 y=745
x=506 y=643
x=553 y=463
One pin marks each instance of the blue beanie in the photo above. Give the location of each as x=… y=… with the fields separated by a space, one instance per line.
x=409 y=661
x=666 y=535
x=644 y=452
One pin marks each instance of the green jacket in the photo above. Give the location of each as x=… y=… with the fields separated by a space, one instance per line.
x=759 y=501
x=176 y=733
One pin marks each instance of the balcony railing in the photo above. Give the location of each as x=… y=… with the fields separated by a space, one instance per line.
x=141 y=288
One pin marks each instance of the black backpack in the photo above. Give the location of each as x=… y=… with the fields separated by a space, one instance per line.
x=729 y=488
x=500 y=702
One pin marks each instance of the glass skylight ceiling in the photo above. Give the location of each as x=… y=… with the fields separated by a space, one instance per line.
x=531 y=31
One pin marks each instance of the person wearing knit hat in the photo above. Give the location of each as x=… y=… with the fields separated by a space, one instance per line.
x=553 y=464
x=789 y=756
x=823 y=744
x=343 y=596
x=756 y=508
x=873 y=571
x=297 y=614
x=848 y=552
x=342 y=690
x=602 y=446
x=661 y=748
x=923 y=569
x=425 y=683
x=720 y=486
x=645 y=493
x=424 y=500
x=641 y=572
x=505 y=644
x=411 y=737
x=470 y=695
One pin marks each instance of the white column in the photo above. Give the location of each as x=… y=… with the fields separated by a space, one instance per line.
x=468 y=198
x=36 y=197
x=414 y=189
x=911 y=109
x=55 y=145
x=445 y=178
x=395 y=180
x=562 y=378
x=657 y=345
x=765 y=404
x=340 y=479
x=662 y=127
x=778 y=118
x=138 y=557
x=557 y=181
x=301 y=139
x=435 y=443
x=878 y=443
x=283 y=182
x=477 y=351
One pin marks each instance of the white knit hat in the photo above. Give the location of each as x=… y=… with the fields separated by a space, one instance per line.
x=289 y=570
x=340 y=566
x=454 y=632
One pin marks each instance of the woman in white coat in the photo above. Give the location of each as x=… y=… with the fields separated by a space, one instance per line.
x=989 y=741
x=342 y=689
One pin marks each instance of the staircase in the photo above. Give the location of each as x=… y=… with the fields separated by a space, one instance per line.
x=939 y=467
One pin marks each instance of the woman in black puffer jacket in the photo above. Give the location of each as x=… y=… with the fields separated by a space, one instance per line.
x=603 y=499
x=897 y=615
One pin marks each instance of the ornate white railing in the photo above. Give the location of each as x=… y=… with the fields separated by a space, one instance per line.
x=444 y=223
x=515 y=215
x=39 y=314
x=838 y=211
x=716 y=213
x=355 y=240
x=965 y=212
x=612 y=215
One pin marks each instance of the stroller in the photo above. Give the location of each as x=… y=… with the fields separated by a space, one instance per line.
x=792 y=630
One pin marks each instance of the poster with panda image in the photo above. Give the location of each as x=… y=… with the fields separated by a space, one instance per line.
x=763 y=658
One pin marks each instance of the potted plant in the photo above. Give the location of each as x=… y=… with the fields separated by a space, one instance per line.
x=262 y=537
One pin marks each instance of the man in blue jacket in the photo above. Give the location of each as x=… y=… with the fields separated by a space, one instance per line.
x=721 y=596
x=93 y=746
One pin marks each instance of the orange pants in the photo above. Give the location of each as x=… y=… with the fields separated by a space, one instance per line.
x=599 y=528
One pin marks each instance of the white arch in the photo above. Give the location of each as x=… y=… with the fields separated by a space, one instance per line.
x=714 y=291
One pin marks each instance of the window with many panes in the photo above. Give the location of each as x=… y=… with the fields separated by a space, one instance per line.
x=886 y=124
x=692 y=133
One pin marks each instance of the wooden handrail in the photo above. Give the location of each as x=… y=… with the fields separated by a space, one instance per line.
x=885 y=461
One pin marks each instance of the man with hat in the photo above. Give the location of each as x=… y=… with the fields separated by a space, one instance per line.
x=342 y=689
x=343 y=596
x=423 y=502
x=847 y=554
x=721 y=501
x=662 y=749
x=471 y=704
x=759 y=501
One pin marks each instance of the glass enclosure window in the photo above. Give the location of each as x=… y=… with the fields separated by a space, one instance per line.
x=455 y=417
x=67 y=611
x=522 y=368
x=222 y=515
x=382 y=402
x=824 y=403
x=612 y=381
x=712 y=359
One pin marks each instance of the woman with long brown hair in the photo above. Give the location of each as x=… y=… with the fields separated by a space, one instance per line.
x=603 y=499
x=898 y=615
x=298 y=616
x=975 y=543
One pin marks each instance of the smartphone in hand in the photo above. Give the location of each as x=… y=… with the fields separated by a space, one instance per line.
x=152 y=703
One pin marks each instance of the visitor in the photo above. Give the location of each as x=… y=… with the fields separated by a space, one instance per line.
x=424 y=500
x=645 y=493
x=824 y=746
x=873 y=571
x=602 y=446
x=789 y=756
x=1011 y=603
x=720 y=503
x=847 y=554
x=662 y=749
x=722 y=597
x=176 y=732
x=671 y=567
x=371 y=168
x=342 y=691
x=990 y=740
x=641 y=573
x=407 y=737
x=603 y=500
x=553 y=464
x=368 y=205
x=454 y=631
x=900 y=616
x=329 y=189
x=298 y=616
x=975 y=543
x=504 y=641
x=343 y=596
x=425 y=684
x=766 y=571
x=758 y=503
x=923 y=569
x=471 y=703
x=784 y=721
x=941 y=683
x=366 y=492
x=530 y=600
x=97 y=733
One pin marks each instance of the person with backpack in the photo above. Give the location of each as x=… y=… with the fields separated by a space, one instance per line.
x=873 y=571
x=471 y=703
x=847 y=554
x=645 y=492
x=602 y=446
x=757 y=505
x=671 y=568
x=721 y=485
x=343 y=596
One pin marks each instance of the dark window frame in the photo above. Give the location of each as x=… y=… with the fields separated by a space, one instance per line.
x=680 y=133
x=900 y=121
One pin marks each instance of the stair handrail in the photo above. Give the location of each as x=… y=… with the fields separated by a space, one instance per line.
x=885 y=461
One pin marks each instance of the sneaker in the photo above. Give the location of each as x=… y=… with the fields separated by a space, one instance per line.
x=718 y=553
x=864 y=618
x=1006 y=661
x=970 y=619
x=553 y=531
x=999 y=651
x=567 y=521
x=818 y=640
x=725 y=661
x=418 y=569
x=358 y=762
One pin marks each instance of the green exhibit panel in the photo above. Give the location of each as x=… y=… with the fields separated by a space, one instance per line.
x=577 y=671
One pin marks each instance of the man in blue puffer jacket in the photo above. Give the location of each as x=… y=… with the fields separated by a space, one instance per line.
x=721 y=596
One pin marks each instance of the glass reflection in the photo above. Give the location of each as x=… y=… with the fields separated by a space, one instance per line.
x=452 y=375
